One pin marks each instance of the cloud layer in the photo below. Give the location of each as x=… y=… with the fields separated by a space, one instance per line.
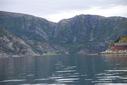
x=56 y=10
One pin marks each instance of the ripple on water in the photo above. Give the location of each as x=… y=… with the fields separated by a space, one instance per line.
x=111 y=84
x=13 y=80
x=67 y=80
x=111 y=76
x=42 y=84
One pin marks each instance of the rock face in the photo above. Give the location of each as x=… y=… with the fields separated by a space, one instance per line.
x=90 y=32
x=12 y=45
x=83 y=33
x=33 y=30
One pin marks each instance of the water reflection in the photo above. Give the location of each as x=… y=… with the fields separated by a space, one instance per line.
x=63 y=70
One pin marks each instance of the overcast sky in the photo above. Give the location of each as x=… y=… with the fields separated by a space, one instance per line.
x=55 y=10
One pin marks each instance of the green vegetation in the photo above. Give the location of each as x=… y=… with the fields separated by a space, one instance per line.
x=51 y=53
x=122 y=39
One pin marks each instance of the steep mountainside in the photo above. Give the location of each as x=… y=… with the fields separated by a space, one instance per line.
x=12 y=45
x=90 y=32
x=33 y=30
x=83 y=33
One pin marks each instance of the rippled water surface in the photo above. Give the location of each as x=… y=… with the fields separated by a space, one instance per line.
x=64 y=70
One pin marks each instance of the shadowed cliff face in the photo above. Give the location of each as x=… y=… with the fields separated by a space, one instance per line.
x=88 y=33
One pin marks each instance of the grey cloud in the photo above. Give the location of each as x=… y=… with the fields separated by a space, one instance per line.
x=44 y=7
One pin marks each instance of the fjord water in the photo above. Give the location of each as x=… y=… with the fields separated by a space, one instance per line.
x=63 y=70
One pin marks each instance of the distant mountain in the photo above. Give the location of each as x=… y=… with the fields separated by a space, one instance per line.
x=82 y=33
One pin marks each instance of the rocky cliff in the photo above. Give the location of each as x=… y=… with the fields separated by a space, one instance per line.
x=12 y=45
x=82 y=33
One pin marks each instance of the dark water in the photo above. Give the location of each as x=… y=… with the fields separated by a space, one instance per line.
x=64 y=70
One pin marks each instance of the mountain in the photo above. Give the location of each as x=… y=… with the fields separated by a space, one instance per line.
x=82 y=33
x=12 y=45
x=34 y=31
x=90 y=32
